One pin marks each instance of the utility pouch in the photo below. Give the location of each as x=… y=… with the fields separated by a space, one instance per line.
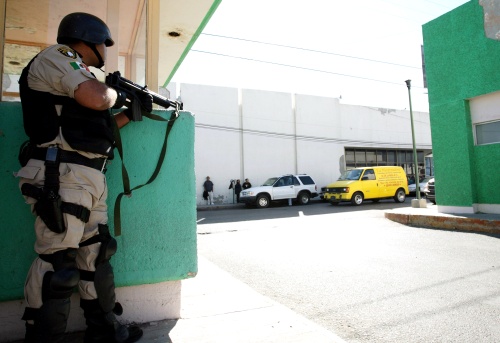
x=48 y=207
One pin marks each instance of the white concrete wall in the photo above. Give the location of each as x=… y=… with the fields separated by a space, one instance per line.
x=268 y=135
x=259 y=134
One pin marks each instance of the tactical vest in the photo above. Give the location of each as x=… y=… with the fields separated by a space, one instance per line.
x=83 y=128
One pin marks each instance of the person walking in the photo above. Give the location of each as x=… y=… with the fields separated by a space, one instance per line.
x=67 y=117
x=208 y=186
x=247 y=184
x=237 y=190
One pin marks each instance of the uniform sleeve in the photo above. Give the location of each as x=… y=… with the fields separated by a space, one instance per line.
x=58 y=70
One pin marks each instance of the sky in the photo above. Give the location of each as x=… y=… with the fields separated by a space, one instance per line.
x=360 y=51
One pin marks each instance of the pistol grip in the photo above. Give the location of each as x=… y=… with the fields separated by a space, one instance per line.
x=136 y=110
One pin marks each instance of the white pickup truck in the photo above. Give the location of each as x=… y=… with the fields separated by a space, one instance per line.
x=299 y=187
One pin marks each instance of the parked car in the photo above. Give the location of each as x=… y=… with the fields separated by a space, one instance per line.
x=431 y=191
x=368 y=183
x=422 y=185
x=300 y=188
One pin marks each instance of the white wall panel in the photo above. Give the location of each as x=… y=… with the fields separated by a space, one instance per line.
x=267 y=156
x=217 y=136
x=324 y=161
x=212 y=105
x=317 y=116
x=217 y=154
x=267 y=111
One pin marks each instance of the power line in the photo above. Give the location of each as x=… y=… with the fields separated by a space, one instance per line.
x=297 y=67
x=412 y=9
x=309 y=50
x=282 y=135
x=439 y=4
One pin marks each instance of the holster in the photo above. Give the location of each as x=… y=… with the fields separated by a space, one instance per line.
x=48 y=206
x=49 y=209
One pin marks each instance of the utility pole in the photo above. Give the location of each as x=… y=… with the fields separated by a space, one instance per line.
x=419 y=203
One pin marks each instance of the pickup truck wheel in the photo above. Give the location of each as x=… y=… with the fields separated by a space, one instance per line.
x=357 y=198
x=303 y=198
x=262 y=201
x=400 y=195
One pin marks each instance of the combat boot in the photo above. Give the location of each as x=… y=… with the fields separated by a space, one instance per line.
x=103 y=327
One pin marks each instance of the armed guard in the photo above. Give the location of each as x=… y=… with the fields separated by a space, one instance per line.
x=67 y=118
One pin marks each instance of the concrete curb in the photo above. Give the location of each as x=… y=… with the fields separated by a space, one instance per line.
x=220 y=207
x=235 y=206
x=447 y=222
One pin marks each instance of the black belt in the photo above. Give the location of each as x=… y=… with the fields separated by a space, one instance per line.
x=72 y=157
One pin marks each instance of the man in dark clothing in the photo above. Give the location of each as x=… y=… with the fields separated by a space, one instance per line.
x=208 y=186
x=247 y=184
x=237 y=190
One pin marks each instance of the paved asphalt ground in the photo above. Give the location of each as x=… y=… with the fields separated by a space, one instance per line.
x=361 y=276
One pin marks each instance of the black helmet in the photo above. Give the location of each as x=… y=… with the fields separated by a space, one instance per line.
x=84 y=27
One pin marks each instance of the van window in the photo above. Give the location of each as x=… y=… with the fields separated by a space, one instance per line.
x=369 y=174
x=353 y=174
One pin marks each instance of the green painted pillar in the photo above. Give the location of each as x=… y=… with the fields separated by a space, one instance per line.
x=158 y=241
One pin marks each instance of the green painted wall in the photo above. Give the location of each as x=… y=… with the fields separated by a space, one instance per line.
x=461 y=63
x=158 y=241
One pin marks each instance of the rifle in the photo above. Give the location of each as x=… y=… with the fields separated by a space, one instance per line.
x=133 y=92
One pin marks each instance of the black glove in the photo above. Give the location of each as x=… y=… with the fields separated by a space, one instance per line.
x=146 y=101
x=140 y=102
x=121 y=99
x=129 y=113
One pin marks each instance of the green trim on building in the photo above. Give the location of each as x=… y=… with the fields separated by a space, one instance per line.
x=461 y=63
x=200 y=29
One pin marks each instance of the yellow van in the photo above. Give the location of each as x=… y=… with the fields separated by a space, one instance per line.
x=368 y=183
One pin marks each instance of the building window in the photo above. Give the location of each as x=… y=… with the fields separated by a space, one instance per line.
x=488 y=133
x=391 y=158
x=358 y=157
x=381 y=157
x=485 y=117
x=429 y=165
x=349 y=156
x=371 y=157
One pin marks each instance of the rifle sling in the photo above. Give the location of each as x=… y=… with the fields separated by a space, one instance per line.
x=126 y=181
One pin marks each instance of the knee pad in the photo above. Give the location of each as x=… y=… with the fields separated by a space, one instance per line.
x=51 y=318
x=108 y=245
x=103 y=277
x=104 y=283
x=60 y=283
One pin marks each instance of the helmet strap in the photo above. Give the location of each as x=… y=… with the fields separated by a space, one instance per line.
x=96 y=52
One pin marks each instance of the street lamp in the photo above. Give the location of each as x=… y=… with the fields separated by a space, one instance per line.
x=419 y=202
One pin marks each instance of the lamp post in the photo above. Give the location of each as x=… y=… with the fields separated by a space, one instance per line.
x=418 y=202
